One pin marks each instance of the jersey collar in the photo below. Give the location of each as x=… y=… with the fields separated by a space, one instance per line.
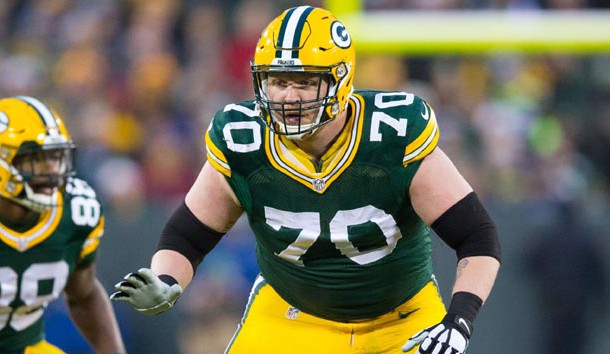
x=289 y=159
x=22 y=241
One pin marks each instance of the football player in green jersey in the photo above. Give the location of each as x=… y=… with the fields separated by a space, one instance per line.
x=50 y=228
x=341 y=188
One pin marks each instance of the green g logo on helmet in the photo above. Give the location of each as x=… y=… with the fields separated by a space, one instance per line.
x=340 y=35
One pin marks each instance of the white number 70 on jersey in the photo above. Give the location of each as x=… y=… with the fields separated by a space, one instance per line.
x=311 y=229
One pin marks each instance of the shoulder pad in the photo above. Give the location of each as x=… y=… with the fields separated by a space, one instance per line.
x=423 y=133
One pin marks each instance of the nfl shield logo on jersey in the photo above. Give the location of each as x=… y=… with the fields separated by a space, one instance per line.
x=292 y=313
x=319 y=184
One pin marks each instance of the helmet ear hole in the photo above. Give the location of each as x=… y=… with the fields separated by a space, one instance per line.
x=335 y=109
x=341 y=71
x=10 y=187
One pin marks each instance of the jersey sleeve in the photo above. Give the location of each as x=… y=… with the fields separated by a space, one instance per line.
x=234 y=133
x=87 y=217
x=215 y=146
x=89 y=250
x=423 y=132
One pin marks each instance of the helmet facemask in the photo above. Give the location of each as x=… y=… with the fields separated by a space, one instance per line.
x=42 y=171
x=285 y=117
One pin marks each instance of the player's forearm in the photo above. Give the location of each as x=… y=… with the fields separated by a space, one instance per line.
x=174 y=264
x=94 y=317
x=476 y=275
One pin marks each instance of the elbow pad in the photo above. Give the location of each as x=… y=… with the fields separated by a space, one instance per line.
x=468 y=229
x=187 y=235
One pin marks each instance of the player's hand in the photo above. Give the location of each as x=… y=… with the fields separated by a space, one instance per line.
x=145 y=292
x=448 y=337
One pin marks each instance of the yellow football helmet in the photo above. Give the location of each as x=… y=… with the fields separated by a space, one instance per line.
x=310 y=40
x=36 y=153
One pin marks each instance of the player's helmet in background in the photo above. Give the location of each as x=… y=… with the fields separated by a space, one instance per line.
x=36 y=153
x=305 y=39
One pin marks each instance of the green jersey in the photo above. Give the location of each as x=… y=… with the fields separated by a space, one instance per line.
x=35 y=264
x=337 y=238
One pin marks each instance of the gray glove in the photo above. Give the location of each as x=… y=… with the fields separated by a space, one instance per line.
x=145 y=292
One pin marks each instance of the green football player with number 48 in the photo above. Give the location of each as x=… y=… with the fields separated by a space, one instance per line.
x=340 y=187
x=50 y=228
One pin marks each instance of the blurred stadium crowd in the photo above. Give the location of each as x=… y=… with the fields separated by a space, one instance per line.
x=137 y=82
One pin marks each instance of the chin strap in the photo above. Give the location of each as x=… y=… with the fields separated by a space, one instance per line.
x=300 y=136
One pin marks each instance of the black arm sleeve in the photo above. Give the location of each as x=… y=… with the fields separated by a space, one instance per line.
x=185 y=234
x=467 y=228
